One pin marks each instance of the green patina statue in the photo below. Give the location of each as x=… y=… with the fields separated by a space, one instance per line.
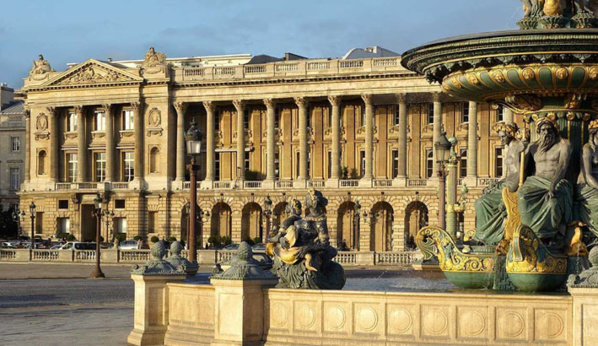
x=491 y=212
x=301 y=249
x=587 y=188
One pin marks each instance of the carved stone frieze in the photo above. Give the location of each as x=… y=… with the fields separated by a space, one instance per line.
x=154 y=62
x=41 y=125
x=92 y=73
x=154 y=123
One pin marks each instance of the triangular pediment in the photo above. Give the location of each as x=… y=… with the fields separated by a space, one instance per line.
x=92 y=72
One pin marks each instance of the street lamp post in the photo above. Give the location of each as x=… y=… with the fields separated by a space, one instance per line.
x=193 y=138
x=356 y=217
x=109 y=215
x=32 y=244
x=97 y=271
x=443 y=147
x=268 y=214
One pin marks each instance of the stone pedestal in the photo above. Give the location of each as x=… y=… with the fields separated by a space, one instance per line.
x=239 y=309
x=151 y=308
x=585 y=315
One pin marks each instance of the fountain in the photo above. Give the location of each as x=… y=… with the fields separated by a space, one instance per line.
x=548 y=72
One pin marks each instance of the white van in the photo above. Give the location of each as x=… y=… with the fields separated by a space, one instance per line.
x=75 y=245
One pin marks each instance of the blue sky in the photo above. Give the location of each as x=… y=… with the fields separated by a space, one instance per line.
x=73 y=31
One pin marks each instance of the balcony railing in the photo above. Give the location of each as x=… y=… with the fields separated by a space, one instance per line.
x=284 y=184
x=349 y=183
x=417 y=182
x=223 y=185
x=317 y=183
x=295 y=68
x=487 y=181
x=382 y=182
x=252 y=184
x=120 y=186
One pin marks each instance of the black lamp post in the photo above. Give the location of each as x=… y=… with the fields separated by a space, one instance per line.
x=268 y=214
x=32 y=244
x=97 y=272
x=356 y=218
x=109 y=215
x=443 y=149
x=193 y=138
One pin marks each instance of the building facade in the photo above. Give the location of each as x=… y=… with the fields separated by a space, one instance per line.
x=359 y=130
x=12 y=148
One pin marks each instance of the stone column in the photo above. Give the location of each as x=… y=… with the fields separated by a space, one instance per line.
x=28 y=148
x=472 y=146
x=369 y=140
x=335 y=102
x=508 y=115
x=81 y=145
x=110 y=145
x=402 y=175
x=210 y=143
x=301 y=103
x=270 y=145
x=240 y=169
x=54 y=138
x=180 y=108
x=139 y=146
x=437 y=130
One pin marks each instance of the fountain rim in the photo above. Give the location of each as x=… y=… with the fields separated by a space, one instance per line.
x=413 y=61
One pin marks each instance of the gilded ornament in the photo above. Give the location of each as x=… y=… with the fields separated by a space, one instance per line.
x=586 y=117
x=528 y=74
x=473 y=79
x=562 y=73
x=498 y=76
x=456 y=82
x=528 y=255
x=570 y=116
x=593 y=73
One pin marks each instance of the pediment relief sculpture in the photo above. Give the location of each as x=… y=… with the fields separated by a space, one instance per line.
x=154 y=62
x=93 y=74
x=40 y=68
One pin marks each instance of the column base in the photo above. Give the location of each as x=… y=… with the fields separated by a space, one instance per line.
x=177 y=184
x=433 y=181
x=207 y=184
x=399 y=182
x=332 y=183
x=366 y=182
x=470 y=181
x=137 y=184
x=300 y=184
x=268 y=184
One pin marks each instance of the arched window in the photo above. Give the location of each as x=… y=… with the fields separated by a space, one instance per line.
x=41 y=163
x=154 y=160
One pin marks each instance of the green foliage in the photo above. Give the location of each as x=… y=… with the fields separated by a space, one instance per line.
x=248 y=240
x=101 y=239
x=63 y=235
x=345 y=172
x=121 y=236
x=257 y=240
x=137 y=237
x=155 y=239
x=252 y=175
x=354 y=174
x=70 y=237
x=8 y=227
x=226 y=240
x=171 y=239
x=214 y=240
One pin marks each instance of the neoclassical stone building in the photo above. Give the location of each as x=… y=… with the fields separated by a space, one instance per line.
x=359 y=130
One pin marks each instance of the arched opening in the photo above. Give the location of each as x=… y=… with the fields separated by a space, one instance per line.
x=279 y=213
x=221 y=220
x=416 y=217
x=251 y=222
x=41 y=163
x=154 y=160
x=381 y=227
x=347 y=227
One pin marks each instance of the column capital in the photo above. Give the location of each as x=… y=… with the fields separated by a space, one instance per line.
x=239 y=105
x=367 y=98
x=27 y=112
x=136 y=106
x=180 y=107
x=436 y=97
x=78 y=110
x=107 y=107
x=301 y=101
x=209 y=106
x=334 y=100
x=270 y=103
x=402 y=98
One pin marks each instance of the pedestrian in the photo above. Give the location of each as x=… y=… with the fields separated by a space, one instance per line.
x=139 y=244
x=115 y=243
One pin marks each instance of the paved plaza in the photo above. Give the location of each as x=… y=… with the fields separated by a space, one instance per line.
x=54 y=304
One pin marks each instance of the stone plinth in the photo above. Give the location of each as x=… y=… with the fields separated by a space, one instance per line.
x=151 y=308
x=239 y=311
x=585 y=315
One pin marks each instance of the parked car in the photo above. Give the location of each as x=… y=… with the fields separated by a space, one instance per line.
x=258 y=247
x=128 y=245
x=231 y=247
x=73 y=245
x=7 y=245
x=264 y=261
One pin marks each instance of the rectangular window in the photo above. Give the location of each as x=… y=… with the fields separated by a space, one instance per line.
x=329 y=164
x=246 y=118
x=72 y=162
x=247 y=167
x=119 y=204
x=362 y=163
x=362 y=116
x=216 y=121
x=500 y=114
x=120 y=225
x=396 y=120
x=329 y=117
x=276 y=118
x=463 y=162
x=430 y=117
x=465 y=113
x=297 y=165
x=308 y=120
x=217 y=166
x=15 y=144
x=63 y=224
x=128 y=166
x=72 y=122
x=429 y=163
x=15 y=178
x=100 y=119
x=39 y=223
x=152 y=221
x=128 y=119
x=498 y=160
x=100 y=162
x=395 y=163
x=63 y=204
